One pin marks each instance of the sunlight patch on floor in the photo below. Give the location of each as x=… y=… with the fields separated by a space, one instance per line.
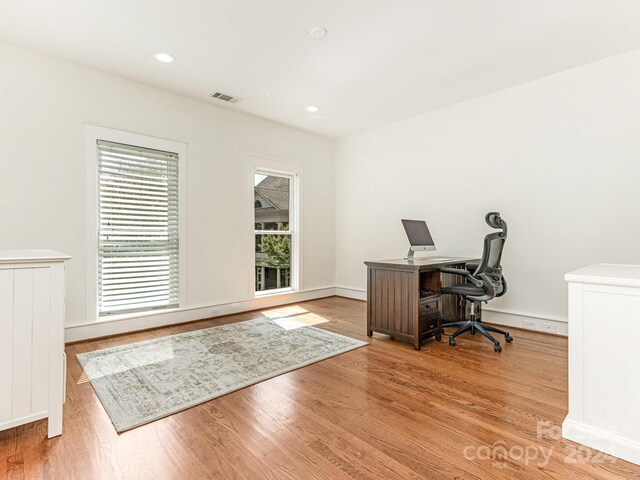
x=285 y=311
x=104 y=366
x=293 y=316
x=300 y=320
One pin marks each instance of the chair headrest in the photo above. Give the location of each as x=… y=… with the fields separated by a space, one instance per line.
x=494 y=220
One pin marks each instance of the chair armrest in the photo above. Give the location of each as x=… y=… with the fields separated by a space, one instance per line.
x=454 y=271
x=504 y=287
x=471 y=266
x=465 y=273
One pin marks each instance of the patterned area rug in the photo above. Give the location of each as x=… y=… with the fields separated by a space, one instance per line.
x=142 y=382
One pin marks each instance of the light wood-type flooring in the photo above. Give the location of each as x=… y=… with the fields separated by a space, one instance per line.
x=382 y=411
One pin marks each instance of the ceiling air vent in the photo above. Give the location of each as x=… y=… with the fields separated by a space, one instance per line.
x=225 y=97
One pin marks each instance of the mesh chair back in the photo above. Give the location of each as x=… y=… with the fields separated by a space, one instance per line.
x=489 y=268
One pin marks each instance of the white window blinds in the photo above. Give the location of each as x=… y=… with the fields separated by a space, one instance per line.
x=138 y=241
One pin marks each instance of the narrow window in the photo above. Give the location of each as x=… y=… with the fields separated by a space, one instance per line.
x=275 y=230
x=138 y=226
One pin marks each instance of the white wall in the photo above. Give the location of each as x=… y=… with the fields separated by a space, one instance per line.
x=44 y=105
x=558 y=157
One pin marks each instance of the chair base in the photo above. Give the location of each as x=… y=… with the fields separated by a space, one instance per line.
x=472 y=325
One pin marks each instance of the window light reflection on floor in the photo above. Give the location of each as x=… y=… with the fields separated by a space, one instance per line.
x=300 y=320
x=145 y=356
x=293 y=316
x=285 y=311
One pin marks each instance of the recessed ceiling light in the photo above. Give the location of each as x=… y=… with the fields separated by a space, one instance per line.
x=164 y=57
x=318 y=32
x=312 y=109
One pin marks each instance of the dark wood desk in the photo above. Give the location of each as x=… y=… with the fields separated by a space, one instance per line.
x=404 y=300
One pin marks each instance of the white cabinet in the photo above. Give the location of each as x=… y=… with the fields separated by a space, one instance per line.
x=32 y=374
x=604 y=359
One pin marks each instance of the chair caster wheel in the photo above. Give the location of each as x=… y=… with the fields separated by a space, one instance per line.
x=438 y=337
x=508 y=338
x=452 y=342
x=497 y=348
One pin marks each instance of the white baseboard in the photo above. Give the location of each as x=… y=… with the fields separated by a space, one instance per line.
x=526 y=321
x=116 y=326
x=351 y=293
x=607 y=442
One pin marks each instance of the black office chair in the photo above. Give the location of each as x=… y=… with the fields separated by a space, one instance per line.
x=484 y=282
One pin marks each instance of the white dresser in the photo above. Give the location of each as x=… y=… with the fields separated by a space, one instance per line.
x=32 y=362
x=604 y=359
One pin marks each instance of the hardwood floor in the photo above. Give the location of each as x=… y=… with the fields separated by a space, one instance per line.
x=382 y=411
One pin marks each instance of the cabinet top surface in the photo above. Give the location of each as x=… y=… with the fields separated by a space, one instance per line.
x=22 y=256
x=419 y=263
x=607 y=274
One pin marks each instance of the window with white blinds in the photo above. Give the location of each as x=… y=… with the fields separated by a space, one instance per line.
x=138 y=225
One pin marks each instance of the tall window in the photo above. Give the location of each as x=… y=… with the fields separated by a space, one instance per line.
x=138 y=226
x=274 y=222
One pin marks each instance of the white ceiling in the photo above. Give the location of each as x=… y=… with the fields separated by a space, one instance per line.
x=382 y=60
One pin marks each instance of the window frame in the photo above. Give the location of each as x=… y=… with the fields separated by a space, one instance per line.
x=264 y=166
x=99 y=132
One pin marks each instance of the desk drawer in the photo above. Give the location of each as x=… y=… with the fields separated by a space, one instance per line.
x=430 y=307
x=428 y=325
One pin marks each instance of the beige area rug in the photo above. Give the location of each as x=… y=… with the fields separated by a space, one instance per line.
x=142 y=382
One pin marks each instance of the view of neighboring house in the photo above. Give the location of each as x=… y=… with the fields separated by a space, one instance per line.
x=273 y=235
